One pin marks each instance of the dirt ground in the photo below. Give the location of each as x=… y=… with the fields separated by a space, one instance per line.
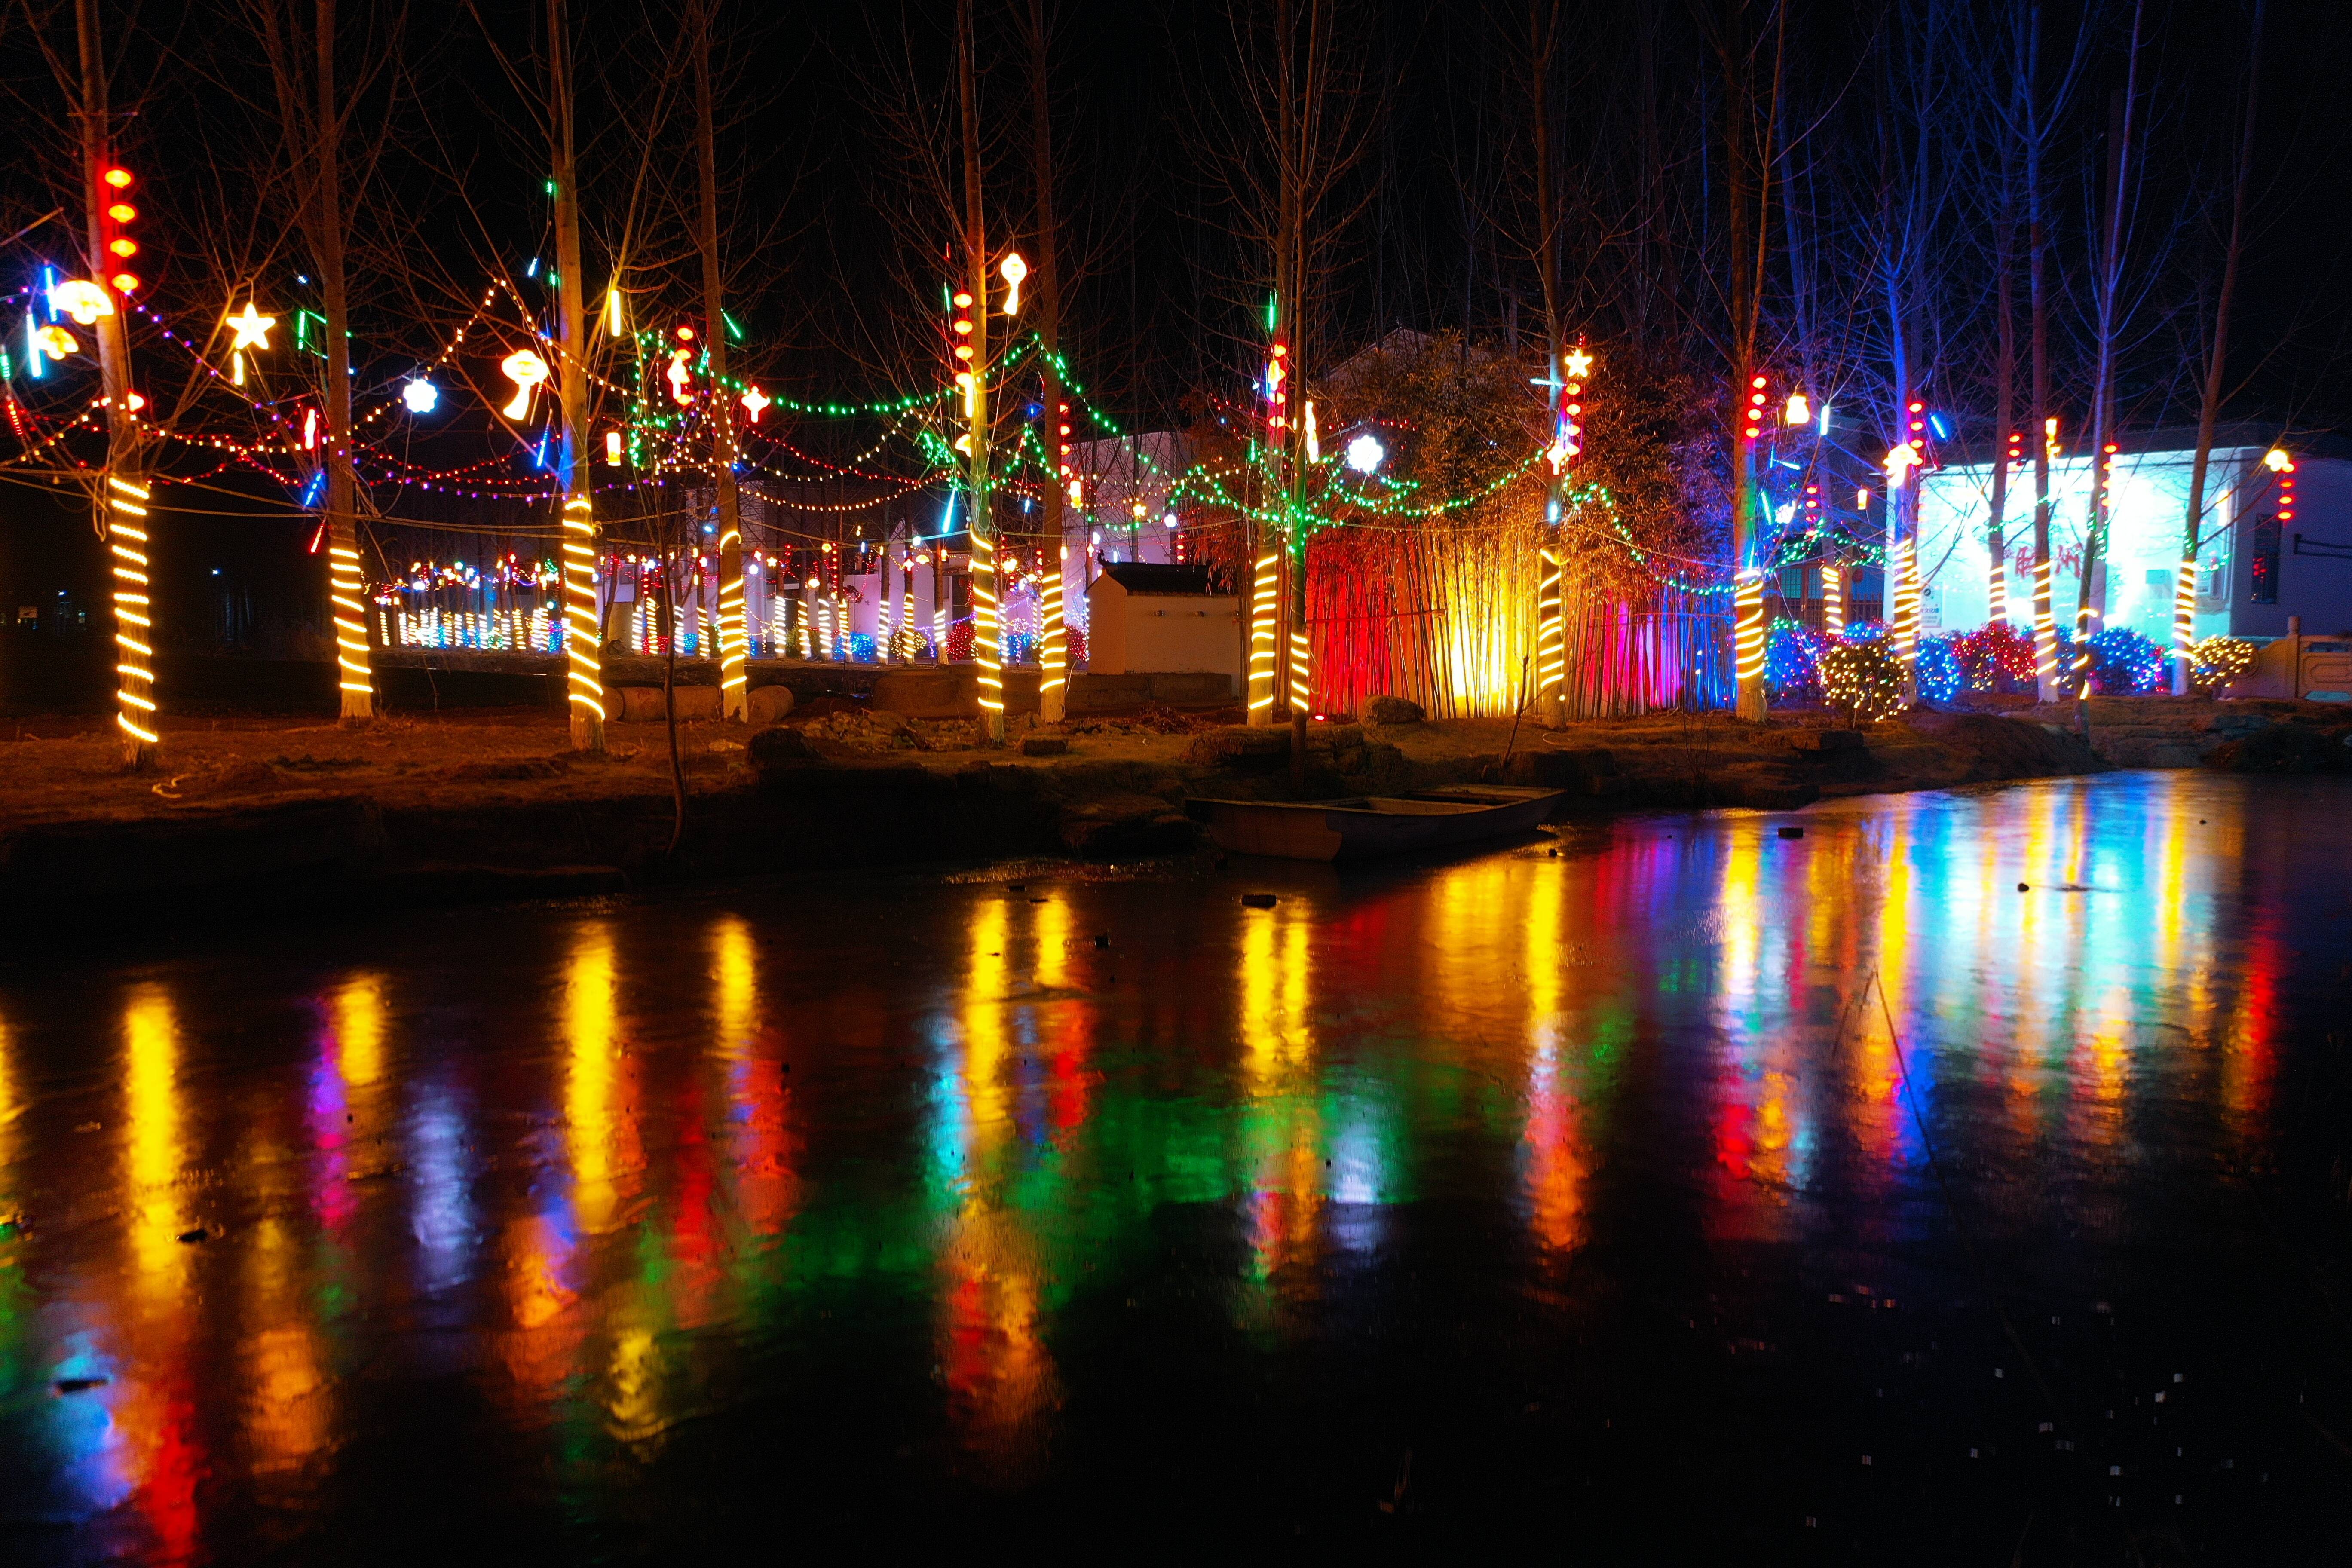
x=71 y=769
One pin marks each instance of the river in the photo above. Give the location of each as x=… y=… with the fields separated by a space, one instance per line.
x=1669 y=1186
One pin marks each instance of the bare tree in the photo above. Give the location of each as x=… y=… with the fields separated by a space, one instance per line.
x=2209 y=407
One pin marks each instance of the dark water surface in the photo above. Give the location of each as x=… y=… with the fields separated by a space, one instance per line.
x=1585 y=1198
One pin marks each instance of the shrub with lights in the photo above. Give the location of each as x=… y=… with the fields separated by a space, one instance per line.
x=2124 y=663
x=1940 y=674
x=1793 y=658
x=960 y=642
x=1997 y=658
x=1863 y=680
x=2217 y=661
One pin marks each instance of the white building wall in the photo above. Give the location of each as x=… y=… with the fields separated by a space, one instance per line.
x=2151 y=501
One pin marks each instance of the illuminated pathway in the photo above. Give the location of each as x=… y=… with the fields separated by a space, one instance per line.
x=1588 y=1192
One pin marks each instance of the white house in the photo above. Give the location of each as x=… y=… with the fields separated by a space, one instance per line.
x=2273 y=542
x=1161 y=620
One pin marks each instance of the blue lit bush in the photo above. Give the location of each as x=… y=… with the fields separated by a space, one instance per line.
x=2122 y=662
x=1792 y=655
x=1940 y=676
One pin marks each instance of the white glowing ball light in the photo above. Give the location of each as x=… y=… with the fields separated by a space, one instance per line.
x=421 y=396
x=1365 y=453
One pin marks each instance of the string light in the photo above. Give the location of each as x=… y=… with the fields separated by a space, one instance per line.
x=1864 y=677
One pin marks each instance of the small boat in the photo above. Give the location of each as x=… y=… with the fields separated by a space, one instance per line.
x=1372 y=825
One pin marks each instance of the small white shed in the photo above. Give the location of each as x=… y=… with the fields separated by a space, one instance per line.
x=1161 y=620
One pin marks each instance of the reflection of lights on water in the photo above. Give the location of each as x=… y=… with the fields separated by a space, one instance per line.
x=734 y=955
x=440 y=1175
x=591 y=1029
x=151 y=1104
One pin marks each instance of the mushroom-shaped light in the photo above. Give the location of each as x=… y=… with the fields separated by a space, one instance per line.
x=526 y=370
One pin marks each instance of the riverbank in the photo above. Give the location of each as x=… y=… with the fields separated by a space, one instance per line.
x=256 y=815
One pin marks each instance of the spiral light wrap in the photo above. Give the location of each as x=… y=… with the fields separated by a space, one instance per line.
x=346 y=590
x=734 y=642
x=2045 y=627
x=1053 y=657
x=1907 y=602
x=126 y=541
x=2184 y=608
x=987 y=636
x=586 y=684
x=1552 y=653
x=1265 y=606
x=1747 y=602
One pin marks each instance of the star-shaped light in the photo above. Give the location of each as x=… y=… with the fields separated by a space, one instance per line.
x=252 y=329
x=757 y=402
x=1578 y=363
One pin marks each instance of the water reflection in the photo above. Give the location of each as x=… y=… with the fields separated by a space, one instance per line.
x=660 y=1168
x=999 y=1375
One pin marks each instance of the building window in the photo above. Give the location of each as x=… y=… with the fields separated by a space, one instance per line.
x=2265 y=560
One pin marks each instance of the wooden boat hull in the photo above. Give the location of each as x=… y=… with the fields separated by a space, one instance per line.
x=1370 y=826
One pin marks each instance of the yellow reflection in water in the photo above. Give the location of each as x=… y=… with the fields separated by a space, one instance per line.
x=987 y=978
x=1282 y=1123
x=286 y=1417
x=1756 y=1113
x=999 y=1375
x=592 y=1039
x=9 y=1111
x=359 y=1029
x=734 y=973
x=1275 y=1025
x=151 y=1066
x=1556 y=1157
